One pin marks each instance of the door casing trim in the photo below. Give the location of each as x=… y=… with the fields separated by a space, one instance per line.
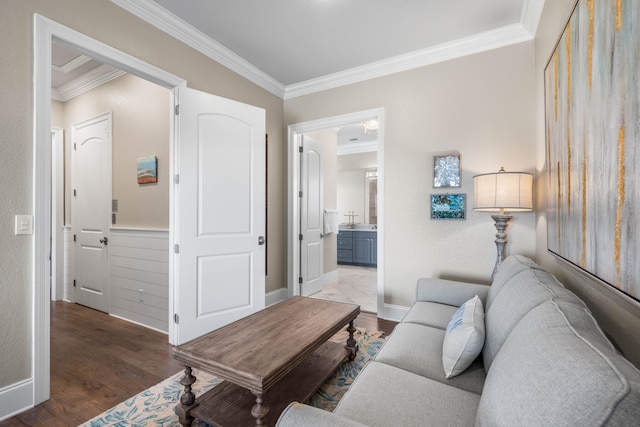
x=46 y=31
x=293 y=226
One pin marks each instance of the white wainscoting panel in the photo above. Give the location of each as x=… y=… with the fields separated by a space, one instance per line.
x=139 y=277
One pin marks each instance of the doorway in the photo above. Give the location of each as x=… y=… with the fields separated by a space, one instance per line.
x=46 y=33
x=295 y=262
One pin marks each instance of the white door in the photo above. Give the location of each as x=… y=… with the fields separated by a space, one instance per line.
x=91 y=209
x=219 y=251
x=311 y=218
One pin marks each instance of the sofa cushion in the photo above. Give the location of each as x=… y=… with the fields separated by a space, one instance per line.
x=383 y=395
x=449 y=292
x=464 y=337
x=557 y=368
x=418 y=349
x=518 y=296
x=430 y=314
x=511 y=266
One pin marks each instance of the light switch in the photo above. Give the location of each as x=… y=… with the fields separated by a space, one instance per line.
x=24 y=224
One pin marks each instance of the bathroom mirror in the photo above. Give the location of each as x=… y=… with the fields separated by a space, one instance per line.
x=357 y=195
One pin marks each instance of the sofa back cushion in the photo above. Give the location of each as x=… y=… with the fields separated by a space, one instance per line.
x=511 y=266
x=558 y=368
x=521 y=293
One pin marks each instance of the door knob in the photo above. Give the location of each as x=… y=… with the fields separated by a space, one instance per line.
x=105 y=241
x=261 y=240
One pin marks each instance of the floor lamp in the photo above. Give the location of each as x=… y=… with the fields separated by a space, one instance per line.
x=501 y=192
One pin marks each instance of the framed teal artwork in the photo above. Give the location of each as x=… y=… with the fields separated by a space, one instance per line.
x=448 y=206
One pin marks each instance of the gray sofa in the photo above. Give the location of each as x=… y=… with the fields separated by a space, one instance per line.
x=545 y=362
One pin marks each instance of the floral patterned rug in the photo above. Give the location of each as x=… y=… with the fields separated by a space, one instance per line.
x=154 y=406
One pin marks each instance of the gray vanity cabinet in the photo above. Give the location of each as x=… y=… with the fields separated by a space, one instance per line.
x=358 y=247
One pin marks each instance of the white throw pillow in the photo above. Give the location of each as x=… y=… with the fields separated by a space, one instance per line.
x=464 y=338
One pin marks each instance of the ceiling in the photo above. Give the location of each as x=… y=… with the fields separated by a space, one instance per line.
x=295 y=47
x=299 y=40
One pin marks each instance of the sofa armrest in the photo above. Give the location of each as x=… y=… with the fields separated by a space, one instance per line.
x=449 y=292
x=299 y=415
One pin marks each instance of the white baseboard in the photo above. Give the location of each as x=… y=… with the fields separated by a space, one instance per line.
x=393 y=312
x=276 y=296
x=16 y=398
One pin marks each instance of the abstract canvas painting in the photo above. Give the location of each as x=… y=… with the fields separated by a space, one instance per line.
x=592 y=115
x=147 y=170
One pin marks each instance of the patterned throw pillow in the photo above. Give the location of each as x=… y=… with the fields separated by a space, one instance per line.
x=464 y=338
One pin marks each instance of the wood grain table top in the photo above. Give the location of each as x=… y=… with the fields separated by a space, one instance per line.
x=258 y=350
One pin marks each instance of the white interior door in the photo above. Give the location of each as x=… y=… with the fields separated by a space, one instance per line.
x=91 y=210
x=311 y=218
x=219 y=264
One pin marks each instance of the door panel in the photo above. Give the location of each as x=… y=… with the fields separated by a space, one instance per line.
x=91 y=210
x=219 y=213
x=311 y=218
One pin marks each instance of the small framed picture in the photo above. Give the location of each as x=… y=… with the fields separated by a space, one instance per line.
x=147 y=170
x=448 y=206
x=446 y=171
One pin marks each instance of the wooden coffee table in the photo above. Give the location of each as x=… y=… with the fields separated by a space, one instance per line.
x=276 y=356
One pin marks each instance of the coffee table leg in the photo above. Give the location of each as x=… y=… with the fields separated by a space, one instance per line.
x=187 y=400
x=259 y=411
x=352 y=346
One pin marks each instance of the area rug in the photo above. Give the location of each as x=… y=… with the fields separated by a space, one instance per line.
x=154 y=406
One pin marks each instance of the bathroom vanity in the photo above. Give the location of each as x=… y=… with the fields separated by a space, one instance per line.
x=358 y=247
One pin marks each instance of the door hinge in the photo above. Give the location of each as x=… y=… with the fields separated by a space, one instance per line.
x=176 y=178
x=300 y=280
x=301 y=149
x=300 y=193
x=74 y=192
x=176 y=248
x=299 y=236
x=176 y=318
x=74 y=237
x=75 y=147
x=74 y=283
x=177 y=109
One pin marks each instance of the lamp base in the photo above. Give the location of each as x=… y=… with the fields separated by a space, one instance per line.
x=502 y=222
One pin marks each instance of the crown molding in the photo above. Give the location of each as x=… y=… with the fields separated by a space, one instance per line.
x=531 y=13
x=86 y=82
x=159 y=17
x=71 y=65
x=477 y=43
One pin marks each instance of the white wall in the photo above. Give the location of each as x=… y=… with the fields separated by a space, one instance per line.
x=482 y=106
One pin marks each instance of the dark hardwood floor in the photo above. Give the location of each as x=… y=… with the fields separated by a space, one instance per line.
x=98 y=361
